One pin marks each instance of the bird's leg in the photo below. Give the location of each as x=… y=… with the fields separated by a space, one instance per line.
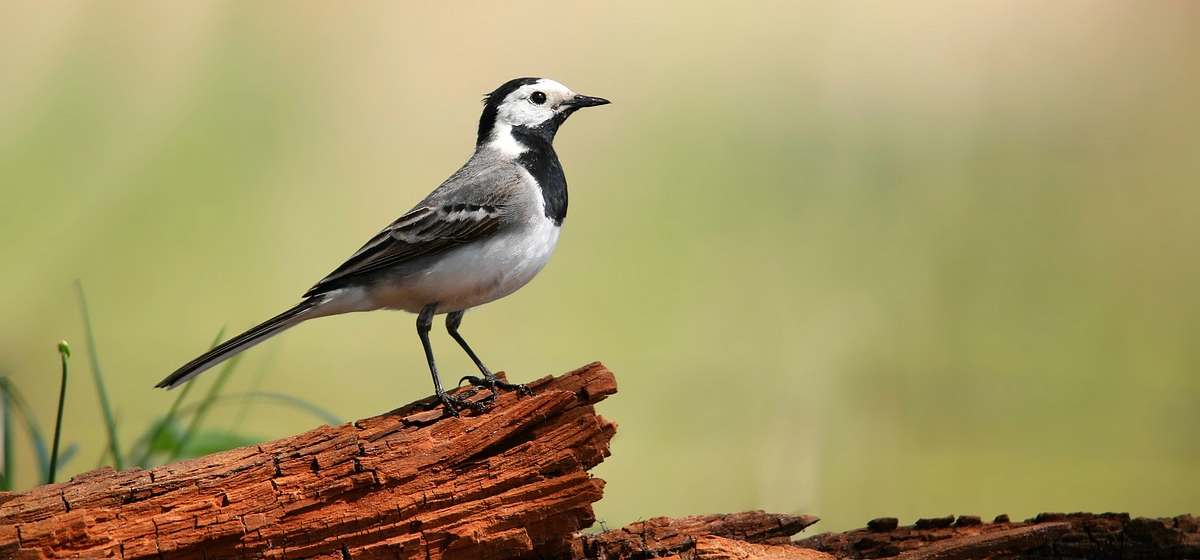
x=452 y=403
x=489 y=380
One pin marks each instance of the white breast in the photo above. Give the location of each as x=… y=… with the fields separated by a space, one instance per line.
x=476 y=273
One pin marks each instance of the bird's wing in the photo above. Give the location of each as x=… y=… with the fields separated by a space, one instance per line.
x=449 y=217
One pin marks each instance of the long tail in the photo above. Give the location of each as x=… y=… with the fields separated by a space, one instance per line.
x=237 y=344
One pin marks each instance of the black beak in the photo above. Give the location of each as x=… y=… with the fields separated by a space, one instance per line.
x=581 y=101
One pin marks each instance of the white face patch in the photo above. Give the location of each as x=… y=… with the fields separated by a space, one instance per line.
x=502 y=139
x=533 y=104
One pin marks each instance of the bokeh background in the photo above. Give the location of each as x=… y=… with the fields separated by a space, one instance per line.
x=851 y=259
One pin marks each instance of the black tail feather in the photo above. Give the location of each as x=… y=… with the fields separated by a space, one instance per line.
x=239 y=343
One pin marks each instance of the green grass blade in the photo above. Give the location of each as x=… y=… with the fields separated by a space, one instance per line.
x=103 y=460
x=18 y=401
x=172 y=412
x=68 y=454
x=263 y=367
x=159 y=427
x=215 y=441
x=209 y=441
x=9 y=460
x=64 y=352
x=114 y=446
x=202 y=409
x=288 y=401
x=297 y=404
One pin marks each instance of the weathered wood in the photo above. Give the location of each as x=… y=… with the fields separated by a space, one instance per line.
x=411 y=483
x=508 y=483
x=1047 y=536
x=755 y=535
x=718 y=548
x=661 y=537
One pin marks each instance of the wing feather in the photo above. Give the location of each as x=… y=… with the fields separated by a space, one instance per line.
x=442 y=221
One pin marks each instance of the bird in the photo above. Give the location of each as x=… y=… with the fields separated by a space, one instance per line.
x=481 y=235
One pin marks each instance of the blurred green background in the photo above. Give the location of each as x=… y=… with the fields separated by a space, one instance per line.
x=852 y=259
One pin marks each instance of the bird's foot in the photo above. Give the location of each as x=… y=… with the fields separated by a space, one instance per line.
x=493 y=383
x=454 y=403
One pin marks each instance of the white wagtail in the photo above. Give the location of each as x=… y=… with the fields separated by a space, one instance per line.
x=481 y=235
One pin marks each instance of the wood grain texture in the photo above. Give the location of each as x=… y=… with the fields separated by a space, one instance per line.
x=509 y=483
x=755 y=535
x=718 y=548
x=411 y=483
x=661 y=537
x=1047 y=536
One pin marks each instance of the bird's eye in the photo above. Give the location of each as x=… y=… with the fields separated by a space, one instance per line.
x=537 y=98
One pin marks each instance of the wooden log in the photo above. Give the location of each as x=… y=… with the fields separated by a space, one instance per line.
x=508 y=483
x=1047 y=536
x=412 y=483
x=736 y=535
x=756 y=535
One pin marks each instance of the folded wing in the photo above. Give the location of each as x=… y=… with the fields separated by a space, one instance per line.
x=425 y=230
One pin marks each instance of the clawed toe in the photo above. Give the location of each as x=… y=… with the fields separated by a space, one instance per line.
x=474 y=381
x=493 y=383
x=454 y=403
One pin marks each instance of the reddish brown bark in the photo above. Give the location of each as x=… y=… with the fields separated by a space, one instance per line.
x=408 y=484
x=737 y=535
x=763 y=536
x=507 y=483
x=1048 y=536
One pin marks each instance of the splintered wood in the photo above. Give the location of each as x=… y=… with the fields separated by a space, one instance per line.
x=755 y=535
x=1049 y=536
x=509 y=483
x=750 y=535
x=412 y=483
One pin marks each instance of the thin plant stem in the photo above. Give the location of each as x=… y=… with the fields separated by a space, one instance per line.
x=114 y=447
x=64 y=351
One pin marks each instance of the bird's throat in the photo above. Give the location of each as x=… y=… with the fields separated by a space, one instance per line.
x=503 y=141
x=542 y=163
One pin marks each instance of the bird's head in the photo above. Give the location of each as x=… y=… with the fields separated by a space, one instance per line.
x=528 y=106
